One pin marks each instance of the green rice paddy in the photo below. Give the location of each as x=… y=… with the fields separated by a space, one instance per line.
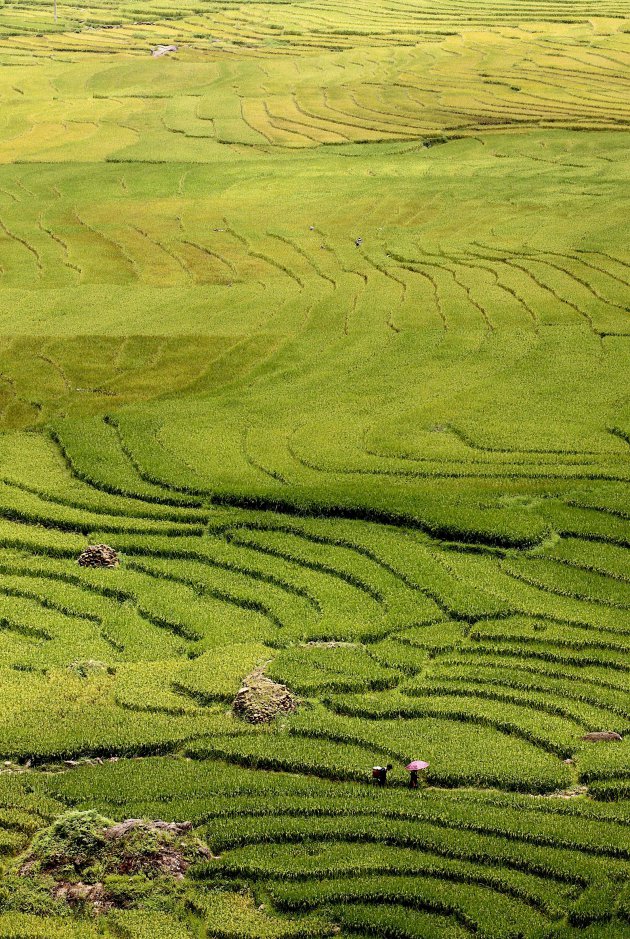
x=322 y=322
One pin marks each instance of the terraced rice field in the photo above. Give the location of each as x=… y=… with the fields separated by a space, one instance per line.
x=322 y=323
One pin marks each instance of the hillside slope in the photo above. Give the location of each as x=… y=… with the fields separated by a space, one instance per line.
x=321 y=321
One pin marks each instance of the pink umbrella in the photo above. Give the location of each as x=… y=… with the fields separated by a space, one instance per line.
x=416 y=765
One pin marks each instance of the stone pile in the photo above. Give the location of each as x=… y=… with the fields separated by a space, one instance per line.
x=260 y=700
x=98 y=555
x=597 y=736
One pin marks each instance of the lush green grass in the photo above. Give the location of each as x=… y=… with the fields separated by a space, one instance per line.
x=322 y=323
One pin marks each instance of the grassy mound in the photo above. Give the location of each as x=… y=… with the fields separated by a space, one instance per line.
x=91 y=862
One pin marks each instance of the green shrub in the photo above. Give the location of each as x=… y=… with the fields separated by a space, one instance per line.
x=72 y=841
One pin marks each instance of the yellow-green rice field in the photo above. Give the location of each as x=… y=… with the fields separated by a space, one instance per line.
x=321 y=321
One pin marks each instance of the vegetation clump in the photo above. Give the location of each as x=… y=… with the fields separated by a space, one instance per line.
x=89 y=861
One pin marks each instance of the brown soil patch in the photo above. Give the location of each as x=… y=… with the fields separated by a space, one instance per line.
x=168 y=857
x=82 y=895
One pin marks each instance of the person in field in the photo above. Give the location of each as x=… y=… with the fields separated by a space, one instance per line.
x=414 y=768
x=379 y=774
